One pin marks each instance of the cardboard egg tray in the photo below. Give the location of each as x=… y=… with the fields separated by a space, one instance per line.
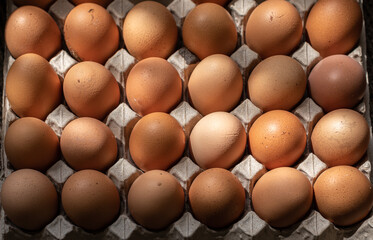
x=248 y=170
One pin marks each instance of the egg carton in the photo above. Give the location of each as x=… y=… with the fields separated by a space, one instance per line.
x=122 y=119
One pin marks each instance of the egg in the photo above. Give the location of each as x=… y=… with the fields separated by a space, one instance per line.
x=209 y=29
x=343 y=195
x=91 y=90
x=218 y=140
x=215 y=84
x=90 y=200
x=153 y=85
x=45 y=4
x=149 y=30
x=157 y=141
x=217 y=198
x=31 y=143
x=341 y=137
x=165 y=194
x=273 y=28
x=30 y=29
x=29 y=199
x=334 y=26
x=103 y=3
x=90 y=33
x=277 y=82
x=277 y=139
x=87 y=143
x=337 y=81
x=32 y=87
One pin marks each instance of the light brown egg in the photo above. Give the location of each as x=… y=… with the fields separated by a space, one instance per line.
x=153 y=85
x=209 y=29
x=217 y=198
x=277 y=139
x=149 y=30
x=217 y=140
x=91 y=90
x=215 y=84
x=29 y=199
x=334 y=26
x=33 y=87
x=337 y=81
x=341 y=137
x=278 y=82
x=45 y=4
x=90 y=200
x=87 y=143
x=343 y=195
x=273 y=28
x=282 y=196
x=156 y=142
x=90 y=33
x=103 y=3
x=31 y=143
x=165 y=194
x=30 y=29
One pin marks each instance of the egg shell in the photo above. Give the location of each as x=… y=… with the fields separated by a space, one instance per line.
x=337 y=81
x=165 y=194
x=29 y=199
x=216 y=198
x=149 y=30
x=91 y=90
x=90 y=200
x=278 y=82
x=343 y=195
x=209 y=29
x=218 y=140
x=277 y=139
x=45 y=4
x=156 y=142
x=282 y=196
x=334 y=26
x=215 y=84
x=103 y=3
x=153 y=85
x=31 y=143
x=87 y=143
x=33 y=87
x=273 y=28
x=90 y=33
x=30 y=29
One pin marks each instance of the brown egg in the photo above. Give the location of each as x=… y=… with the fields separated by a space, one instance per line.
x=215 y=84
x=209 y=29
x=90 y=200
x=29 y=199
x=216 y=198
x=341 y=137
x=165 y=194
x=91 y=90
x=31 y=143
x=90 y=33
x=87 y=143
x=153 y=85
x=277 y=139
x=33 y=87
x=273 y=28
x=278 y=82
x=217 y=140
x=337 y=81
x=149 y=30
x=282 y=196
x=220 y=2
x=30 y=29
x=156 y=142
x=103 y=3
x=334 y=26
x=343 y=195
x=45 y=4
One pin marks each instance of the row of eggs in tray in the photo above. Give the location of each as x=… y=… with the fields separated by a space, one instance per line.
x=217 y=142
